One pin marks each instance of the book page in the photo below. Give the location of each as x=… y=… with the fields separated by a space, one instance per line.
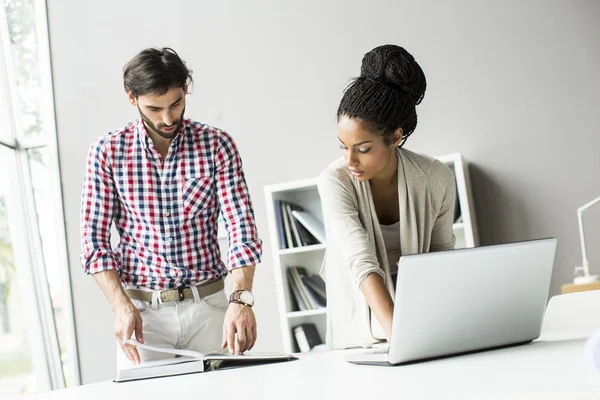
x=161 y=363
x=179 y=352
x=247 y=356
x=212 y=355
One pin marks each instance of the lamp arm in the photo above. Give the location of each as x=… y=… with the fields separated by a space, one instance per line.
x=580 y=211
x=586 y=269
x=588 y=205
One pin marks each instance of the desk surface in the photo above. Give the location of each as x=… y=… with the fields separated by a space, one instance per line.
x=572 y=288
x=549 y=368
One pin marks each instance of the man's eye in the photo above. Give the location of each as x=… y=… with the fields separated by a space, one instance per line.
x=176 y=105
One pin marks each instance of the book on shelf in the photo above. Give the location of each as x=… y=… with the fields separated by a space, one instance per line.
x=298 y=302
x=312 y=224
x=307 y=337
x=291 y=232
x=317 y=301
x=307 y=238
x=280 y=227
x=316 y=287
x=302 y=287
x=297 y=273
x=293 y=226
x=189 y=361
x=287 y=226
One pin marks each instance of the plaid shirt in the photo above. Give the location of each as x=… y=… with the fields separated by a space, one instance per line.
x=166 y=212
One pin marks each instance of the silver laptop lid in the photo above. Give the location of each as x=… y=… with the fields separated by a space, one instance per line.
x=469 y=299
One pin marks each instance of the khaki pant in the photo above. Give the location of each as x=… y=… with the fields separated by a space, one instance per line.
x=195 y=324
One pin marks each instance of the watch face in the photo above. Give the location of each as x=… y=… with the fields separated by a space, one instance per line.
x=247 y=297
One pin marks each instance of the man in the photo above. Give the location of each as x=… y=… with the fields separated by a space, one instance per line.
x=163 y=179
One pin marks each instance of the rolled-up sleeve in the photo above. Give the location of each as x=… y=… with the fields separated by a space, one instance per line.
x=442 y=235
x=345 y=230
x=97 y=207
x=245 y=247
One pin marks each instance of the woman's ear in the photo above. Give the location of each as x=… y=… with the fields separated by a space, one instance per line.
x=397 y=138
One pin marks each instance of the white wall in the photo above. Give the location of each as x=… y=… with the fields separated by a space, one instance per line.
x=513 y=85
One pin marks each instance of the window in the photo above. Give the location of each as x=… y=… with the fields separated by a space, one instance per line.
x=37 y=337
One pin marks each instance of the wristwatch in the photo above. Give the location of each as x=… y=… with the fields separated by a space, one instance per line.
x=244 y=297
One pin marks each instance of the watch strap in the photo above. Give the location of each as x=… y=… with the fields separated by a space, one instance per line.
x=235 y=297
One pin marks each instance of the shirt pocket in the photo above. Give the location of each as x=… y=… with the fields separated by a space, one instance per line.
x=197 y=195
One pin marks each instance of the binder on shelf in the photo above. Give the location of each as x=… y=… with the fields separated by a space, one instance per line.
x=307 y=238
x=287 y=226
x=280 y=228
x=317 y=300
x=293 y=233
x=297 y=274
x=305 y=297
x=307 y=337
x=316 y=286
x=293 y=224
x=313 y=225
x=296 y=297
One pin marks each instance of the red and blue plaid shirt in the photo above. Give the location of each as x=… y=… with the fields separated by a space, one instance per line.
x=166 y=211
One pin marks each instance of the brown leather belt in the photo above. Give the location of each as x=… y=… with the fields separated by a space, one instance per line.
x=204 y=289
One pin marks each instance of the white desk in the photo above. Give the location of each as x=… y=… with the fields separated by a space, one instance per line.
x=550 y=368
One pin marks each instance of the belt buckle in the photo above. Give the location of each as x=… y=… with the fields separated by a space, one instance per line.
x=180 y=291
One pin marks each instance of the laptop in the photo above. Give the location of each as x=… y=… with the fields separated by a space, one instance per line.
x=465 y=300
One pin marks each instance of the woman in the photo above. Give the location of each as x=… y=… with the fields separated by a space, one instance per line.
x=380 y=201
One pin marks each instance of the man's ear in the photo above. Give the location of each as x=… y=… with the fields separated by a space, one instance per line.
x=132 y=99
x=185 y=89
x=398 y=135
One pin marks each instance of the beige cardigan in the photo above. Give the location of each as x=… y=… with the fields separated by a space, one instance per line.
x=355 y=247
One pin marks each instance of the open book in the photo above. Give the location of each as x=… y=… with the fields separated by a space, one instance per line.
x=189 y=361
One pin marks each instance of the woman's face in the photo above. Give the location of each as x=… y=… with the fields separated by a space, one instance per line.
x=366 y=153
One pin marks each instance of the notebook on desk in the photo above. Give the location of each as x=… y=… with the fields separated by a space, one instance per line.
x=459 y=301
x=188 y=362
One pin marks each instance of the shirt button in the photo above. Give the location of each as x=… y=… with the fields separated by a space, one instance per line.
x=170 y=240
x=167 y=214
x=165 y=187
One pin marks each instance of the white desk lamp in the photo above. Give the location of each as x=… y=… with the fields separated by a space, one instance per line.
x=586 y=277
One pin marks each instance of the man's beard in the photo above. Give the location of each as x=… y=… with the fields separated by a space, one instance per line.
x=157 y=128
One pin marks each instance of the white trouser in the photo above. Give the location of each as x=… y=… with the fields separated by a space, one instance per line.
x=195 y=324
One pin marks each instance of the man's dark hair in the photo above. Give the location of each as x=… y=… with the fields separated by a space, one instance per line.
x=384 y=96
x=155 y=71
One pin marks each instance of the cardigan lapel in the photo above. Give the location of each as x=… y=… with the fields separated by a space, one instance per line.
x=374 y=230
x=409 y=243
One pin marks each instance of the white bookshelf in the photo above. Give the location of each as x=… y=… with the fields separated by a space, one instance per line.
x=465 y=231
x=305 y=194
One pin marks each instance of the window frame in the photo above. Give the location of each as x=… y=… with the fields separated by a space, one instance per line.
x=22 y=219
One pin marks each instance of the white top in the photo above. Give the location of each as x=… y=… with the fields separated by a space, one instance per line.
x=540 y=370
x=391 y=239
x=552 y=367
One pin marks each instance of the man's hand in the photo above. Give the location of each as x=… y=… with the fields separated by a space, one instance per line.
x=127 y=321
x=127 y=317
x=239 y=328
